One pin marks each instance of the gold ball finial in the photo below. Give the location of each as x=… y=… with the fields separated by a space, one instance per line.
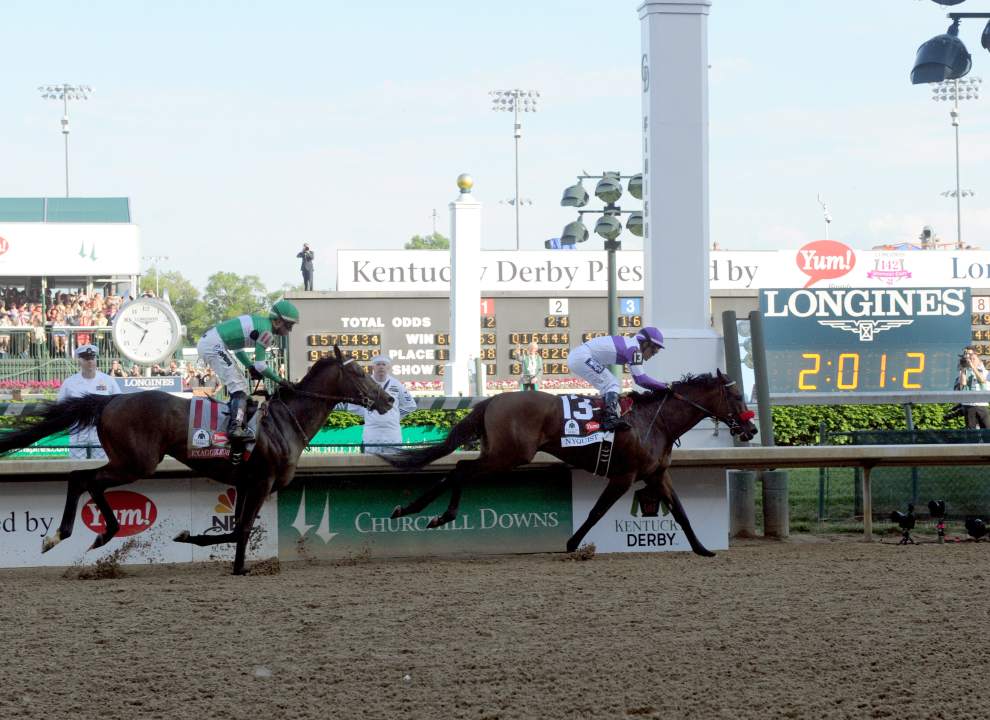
x=465 y=182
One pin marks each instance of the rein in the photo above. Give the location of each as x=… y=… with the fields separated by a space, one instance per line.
x=732 y=423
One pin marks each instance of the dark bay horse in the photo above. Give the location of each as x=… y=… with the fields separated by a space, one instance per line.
x=513 y=427
x=138 y=430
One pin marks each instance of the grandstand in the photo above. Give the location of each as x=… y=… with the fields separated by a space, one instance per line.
x=66 y=264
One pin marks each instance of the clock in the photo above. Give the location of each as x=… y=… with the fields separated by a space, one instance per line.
x=869 y=340
x=147 y=331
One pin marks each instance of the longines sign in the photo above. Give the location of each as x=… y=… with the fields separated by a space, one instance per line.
x=817 y=264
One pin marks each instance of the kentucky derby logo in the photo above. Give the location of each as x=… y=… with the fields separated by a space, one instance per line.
x=889 y=270
x=200 y=438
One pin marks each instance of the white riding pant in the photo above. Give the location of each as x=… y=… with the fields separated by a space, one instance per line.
x=214 y=353
x=581 y=363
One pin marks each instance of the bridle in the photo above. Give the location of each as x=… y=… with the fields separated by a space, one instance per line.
x=734 y=423
x=363 y=398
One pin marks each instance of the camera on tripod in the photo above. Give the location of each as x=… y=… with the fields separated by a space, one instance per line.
x=906 y=522
x=936 y=508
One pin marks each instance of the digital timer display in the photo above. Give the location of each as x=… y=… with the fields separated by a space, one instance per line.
x=872 y=340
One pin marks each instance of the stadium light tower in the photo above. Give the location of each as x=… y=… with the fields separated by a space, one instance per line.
x=65 y=92
x=515 y=101
x=956 y=90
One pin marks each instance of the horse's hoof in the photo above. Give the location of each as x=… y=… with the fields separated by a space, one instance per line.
x=182 y=537
x=396 y=513
x=48 y=542
x=434 y=523
x=571 y=546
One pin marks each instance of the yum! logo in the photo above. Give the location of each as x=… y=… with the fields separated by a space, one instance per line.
x=134 y=512
x=825 y=260
x=4 y=245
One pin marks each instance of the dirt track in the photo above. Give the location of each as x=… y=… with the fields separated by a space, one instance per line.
x=805 y=629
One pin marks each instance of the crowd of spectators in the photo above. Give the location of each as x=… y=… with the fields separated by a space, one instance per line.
x=51 y=321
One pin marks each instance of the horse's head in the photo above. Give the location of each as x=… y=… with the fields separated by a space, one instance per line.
x=339 y=377
x=737 y=416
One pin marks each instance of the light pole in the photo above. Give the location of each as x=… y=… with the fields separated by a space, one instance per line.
x=956 y=90
x=826 y=215
x=65 y=92
x=154 y=260
x=516 y=101
x=608 y=190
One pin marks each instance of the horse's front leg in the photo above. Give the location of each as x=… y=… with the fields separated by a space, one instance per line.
x=674 y=503
x=255 y=496
x=615 y=489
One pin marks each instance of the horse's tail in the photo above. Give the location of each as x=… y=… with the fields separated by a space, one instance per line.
x=466 y=430
x=70 y=414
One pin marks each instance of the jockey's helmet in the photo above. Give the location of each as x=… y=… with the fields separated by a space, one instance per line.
x=285 y=311
x=650 y=335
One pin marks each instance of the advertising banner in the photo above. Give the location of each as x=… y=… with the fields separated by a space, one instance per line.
x=704 y=494
x=820 y=263
x=150 y=513
x=79 y=249
x=166 y=383
x=524 y=511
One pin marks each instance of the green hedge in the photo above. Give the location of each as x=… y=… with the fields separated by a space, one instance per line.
x=443 y=419
x=799 y=425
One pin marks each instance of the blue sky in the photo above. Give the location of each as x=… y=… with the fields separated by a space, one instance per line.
x=241 y=129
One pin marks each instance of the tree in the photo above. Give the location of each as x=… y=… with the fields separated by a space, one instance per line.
x=228 y=295
x=184 y=298
x=434 y=241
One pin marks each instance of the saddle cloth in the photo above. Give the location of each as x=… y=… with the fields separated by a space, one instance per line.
x=582 y=420
x=207 y=436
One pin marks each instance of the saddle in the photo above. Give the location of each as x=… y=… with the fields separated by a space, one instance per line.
x=207 y=436
x=582 y=419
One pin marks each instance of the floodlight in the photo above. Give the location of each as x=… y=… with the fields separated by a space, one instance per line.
x=944 y=57
x=574 y=232
x=936 y=508
x=609 y=189
x=575 y=196
x=608 y=227
x=635 y=224
x=985 y=38
x=636 y=186
x=948 y=2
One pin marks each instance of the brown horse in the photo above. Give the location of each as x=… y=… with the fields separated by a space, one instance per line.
x=513 y=427
x=138 y=430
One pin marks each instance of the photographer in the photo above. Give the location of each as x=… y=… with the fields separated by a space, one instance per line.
x=973 y=378
x=307 y=266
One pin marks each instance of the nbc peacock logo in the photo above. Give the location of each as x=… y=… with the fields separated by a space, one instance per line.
x=223 y=518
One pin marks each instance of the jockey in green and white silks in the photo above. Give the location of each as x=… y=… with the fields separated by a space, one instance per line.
x=237 y=335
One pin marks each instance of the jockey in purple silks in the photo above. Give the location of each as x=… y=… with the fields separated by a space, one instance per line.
x=590 y=362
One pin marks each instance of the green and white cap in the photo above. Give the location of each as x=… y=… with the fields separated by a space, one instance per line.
x=284 y=310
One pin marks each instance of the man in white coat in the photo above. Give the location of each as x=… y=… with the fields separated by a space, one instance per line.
x=90 y=381
x=385 y=428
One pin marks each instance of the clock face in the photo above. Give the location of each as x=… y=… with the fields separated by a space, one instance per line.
x=146 y=331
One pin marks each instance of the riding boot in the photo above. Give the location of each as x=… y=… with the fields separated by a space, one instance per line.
x=610 y=413
x=236 y=429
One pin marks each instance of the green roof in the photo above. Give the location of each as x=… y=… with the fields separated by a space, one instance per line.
x=70 y=210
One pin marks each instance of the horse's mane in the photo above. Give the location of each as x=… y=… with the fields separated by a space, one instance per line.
x=316 y=368
x=651 y=396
